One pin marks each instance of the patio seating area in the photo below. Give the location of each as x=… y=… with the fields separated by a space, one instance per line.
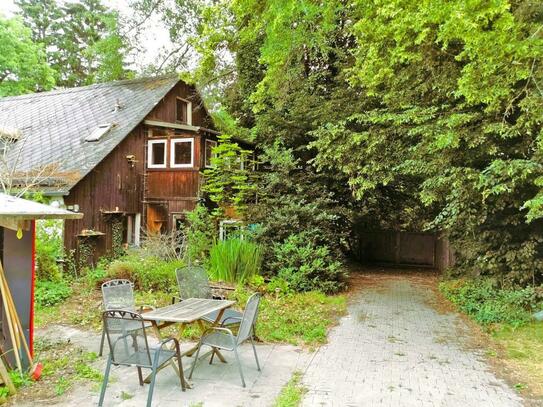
x=128 y=328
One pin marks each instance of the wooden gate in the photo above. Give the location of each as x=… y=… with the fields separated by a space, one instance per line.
x=404 y=248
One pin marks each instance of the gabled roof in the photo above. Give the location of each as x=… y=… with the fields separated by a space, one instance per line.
x=54 y=125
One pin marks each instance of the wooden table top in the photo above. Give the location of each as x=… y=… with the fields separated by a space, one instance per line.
x=187 y=311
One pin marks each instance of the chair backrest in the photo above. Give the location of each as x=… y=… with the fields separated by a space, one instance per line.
x=125 y=331
x=193 y=282
x=118 y=294
x=249 y=318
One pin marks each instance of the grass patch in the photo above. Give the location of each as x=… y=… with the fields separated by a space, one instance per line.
x=291 y=395
x=298 y=318
x=523 y=348
x=506 y=315
x=63 y=366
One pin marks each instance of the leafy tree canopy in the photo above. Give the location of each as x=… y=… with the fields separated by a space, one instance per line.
x=430 y=111
x=23 y=67
x=81 y=38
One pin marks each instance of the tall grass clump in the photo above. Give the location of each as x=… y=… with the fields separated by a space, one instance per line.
x=234 y=260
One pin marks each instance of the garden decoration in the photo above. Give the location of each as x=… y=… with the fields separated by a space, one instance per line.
x=223 y=338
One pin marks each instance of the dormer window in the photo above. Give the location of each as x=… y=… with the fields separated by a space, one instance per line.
x=183 y=111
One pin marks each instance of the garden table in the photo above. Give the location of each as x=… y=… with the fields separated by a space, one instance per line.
x=184 y=313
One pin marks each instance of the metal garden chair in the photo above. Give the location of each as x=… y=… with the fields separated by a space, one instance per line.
x=194 y=283
x=118 y=294
x=128 y=346
x=223 y=338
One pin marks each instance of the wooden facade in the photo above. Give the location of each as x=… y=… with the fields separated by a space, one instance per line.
x=122 y=195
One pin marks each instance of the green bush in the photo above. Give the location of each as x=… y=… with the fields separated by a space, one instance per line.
x=234 y=260
x=48 y=248
x=50 y=293
x=488 y=304
x=306 y=266
x=199 y=233
x=147 y=273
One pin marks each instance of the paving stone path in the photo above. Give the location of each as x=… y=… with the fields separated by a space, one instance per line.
x=394 y=349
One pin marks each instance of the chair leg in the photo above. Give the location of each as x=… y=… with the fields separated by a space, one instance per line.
x=212 y=356
x=254 y=351
x=104 y=383
x=140 y=376
x=102 y=342
x=180 y=365
x=195 y=360
x=239 y=366
x=153 y=378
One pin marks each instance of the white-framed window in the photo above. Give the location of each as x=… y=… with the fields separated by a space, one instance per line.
x=156 y=153
x=208 y=152
x=183 y=111
x=182 y=153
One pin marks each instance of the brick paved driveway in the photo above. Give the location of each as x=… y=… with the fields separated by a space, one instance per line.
x=394 y=349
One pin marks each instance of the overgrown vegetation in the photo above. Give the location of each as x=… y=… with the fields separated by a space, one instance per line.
x=409 y=115
x=487 y=304
x=234 y=260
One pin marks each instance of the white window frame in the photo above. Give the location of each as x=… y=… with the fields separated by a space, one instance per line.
x=150 y=153
x=172 y=152
x=205 y=152
x=189 y=111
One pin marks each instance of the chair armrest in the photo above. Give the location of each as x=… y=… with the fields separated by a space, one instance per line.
x=238 y=319
x=167 y=340
x=217 y=328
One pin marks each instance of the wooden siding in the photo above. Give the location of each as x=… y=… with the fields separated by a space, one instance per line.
x=165 y=109
x=113 y=185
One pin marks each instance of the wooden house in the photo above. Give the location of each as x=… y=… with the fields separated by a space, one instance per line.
x=128 y=154
x=17 y=253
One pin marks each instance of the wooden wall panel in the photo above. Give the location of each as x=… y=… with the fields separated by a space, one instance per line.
x=172 y=184
x=114 y=184
x=165 y=109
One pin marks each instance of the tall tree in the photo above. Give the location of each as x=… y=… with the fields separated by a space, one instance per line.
x=82 y=39
x=431 y=112
x=23 y=67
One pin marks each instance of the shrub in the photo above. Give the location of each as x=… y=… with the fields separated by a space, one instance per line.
x=306 y=266
x=199 y=234
x=165 y=246
x=234 y=260
x=147 y=273
x=487 y=304
x=50 y=293
x=48 y=248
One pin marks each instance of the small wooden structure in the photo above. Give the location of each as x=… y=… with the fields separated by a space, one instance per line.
x=17 y=255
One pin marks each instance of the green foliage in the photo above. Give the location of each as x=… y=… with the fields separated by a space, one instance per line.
x=296 y=318
x=48 y=293
x=428 y=114
x=228 y=180
x=147 y=273
x=23 y=67
x=487 y=304
x=49 y=248
x=81 y=39
x=199 y=233
x=291 y=395
x=234 y=261
x=306 y=266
